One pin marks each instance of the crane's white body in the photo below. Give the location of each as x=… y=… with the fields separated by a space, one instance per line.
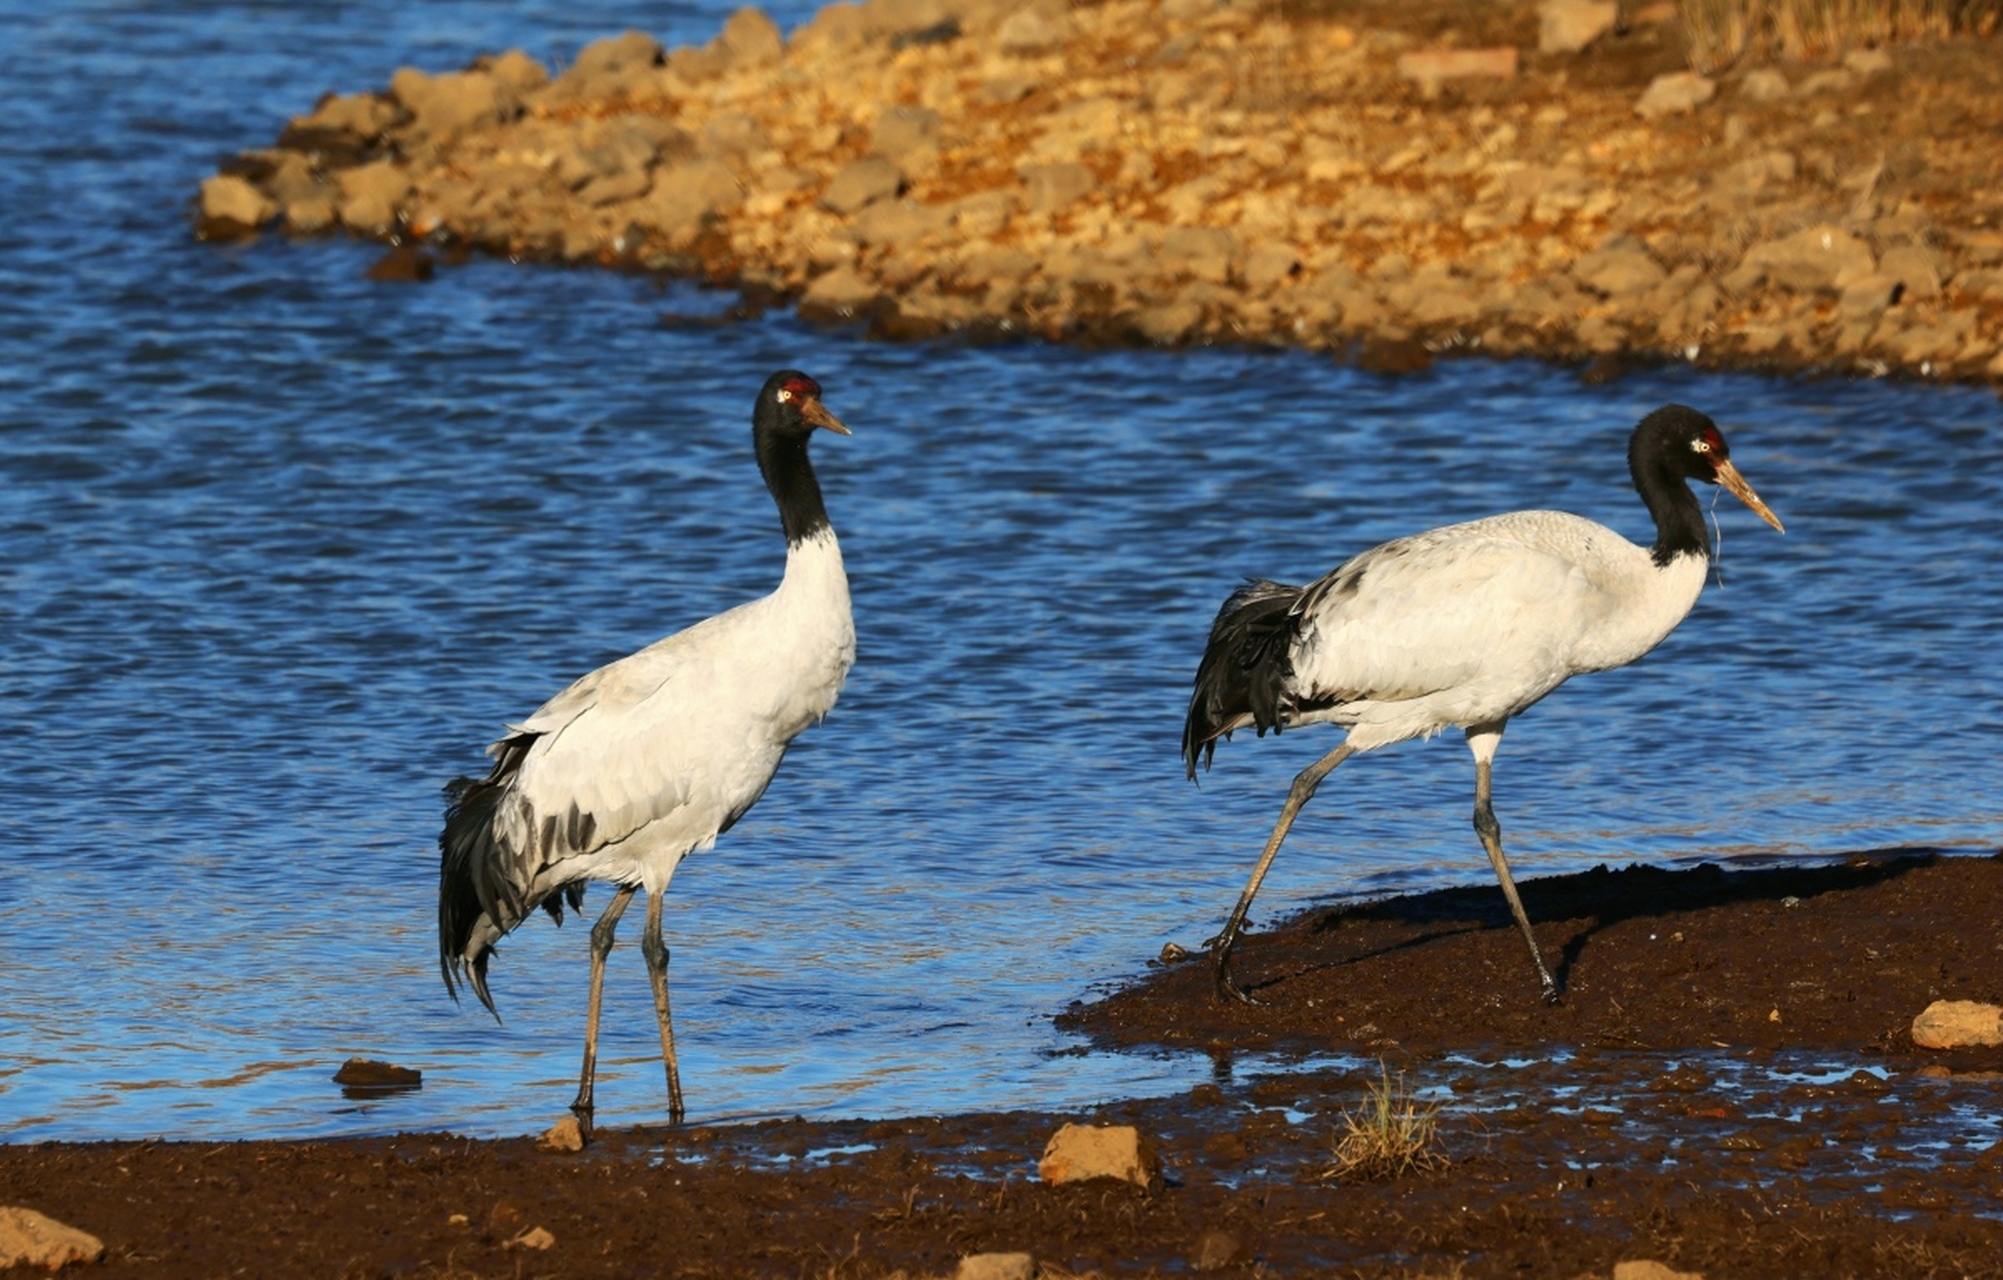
x=657 y=754
x=647 y=759
x=1471 y=623
x=1463 y=626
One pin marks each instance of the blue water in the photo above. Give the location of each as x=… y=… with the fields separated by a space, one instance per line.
x=281 y=550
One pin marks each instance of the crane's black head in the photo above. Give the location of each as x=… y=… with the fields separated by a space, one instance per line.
x=790 y=401
x=1677 y=444
x=788 y=409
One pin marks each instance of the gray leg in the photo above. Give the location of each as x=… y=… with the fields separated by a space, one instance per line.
x=656 y=953
x=601 y=947
x=1483 y=741
x=1299 y=794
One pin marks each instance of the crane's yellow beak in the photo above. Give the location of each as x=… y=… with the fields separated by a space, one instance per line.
x=817 y=413
x=1728 y=475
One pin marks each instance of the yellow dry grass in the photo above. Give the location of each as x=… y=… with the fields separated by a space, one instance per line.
x=1389 y=1135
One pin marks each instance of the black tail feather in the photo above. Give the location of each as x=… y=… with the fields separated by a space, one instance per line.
x=478 y=901
x=1246 y=668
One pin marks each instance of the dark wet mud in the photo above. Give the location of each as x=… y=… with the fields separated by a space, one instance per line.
x=1730 y=1088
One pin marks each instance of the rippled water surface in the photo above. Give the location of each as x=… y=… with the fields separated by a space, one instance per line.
x=282 y=549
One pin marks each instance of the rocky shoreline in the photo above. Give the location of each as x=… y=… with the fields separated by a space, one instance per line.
x=1386 y=184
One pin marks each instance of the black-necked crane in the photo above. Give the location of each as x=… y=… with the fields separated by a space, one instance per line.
x=652 y=757
x=1462 y=627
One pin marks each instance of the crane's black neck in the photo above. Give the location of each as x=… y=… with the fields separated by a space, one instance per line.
x=1661 y=479
x=782 y=460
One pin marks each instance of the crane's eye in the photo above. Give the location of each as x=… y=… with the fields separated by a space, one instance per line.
x=1701 y=445
x=785 y=395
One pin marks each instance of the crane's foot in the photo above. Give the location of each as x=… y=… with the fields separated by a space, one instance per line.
x=1228 y=989
x=582 y=1110
x=1551 y=994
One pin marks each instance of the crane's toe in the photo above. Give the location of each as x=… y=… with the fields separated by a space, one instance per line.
x=1227 y=987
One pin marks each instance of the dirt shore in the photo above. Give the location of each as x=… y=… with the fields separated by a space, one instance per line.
x=1729 y=1089
x=1382 y=181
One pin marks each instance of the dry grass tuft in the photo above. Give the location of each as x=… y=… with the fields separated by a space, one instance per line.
x=1389 y=1135
x=1722 y=32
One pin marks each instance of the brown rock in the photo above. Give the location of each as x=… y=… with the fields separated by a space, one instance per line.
x=1270 y=265
x=31 y=1239
x=372 y=196
x=616 y=146
x=996 y=1266
x=1865 y=297
x=310 y=216
x=1648 y=1269
x=1913 y=269
x=908 y=137
x=1835 y=80
x=609 y=67
x=615 y=53
x=1821 y=257
x=1079 y=1152
x=1764 y=84
x=517 y=70
x=1430 y=68
x=363 y=117
x=1677 y=93
x=1167 y=324
x=1050 y=187
x=1198 y=253
x=841 y=294
x=537 y=1238
x=232 y=200
x=1567 y=26
x=1619 y=271
x=750 y=39
x=900 y=20
x=870 y=178
x=684 y=195
x=1035 y=30
x=366 y=1073
x=901 y=224
x=445 y=106
x=1957 y=1024
x=565 y=1135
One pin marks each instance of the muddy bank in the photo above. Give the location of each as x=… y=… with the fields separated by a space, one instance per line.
x=1384 y=182
x=1613 y=1130
x=1834 y=959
